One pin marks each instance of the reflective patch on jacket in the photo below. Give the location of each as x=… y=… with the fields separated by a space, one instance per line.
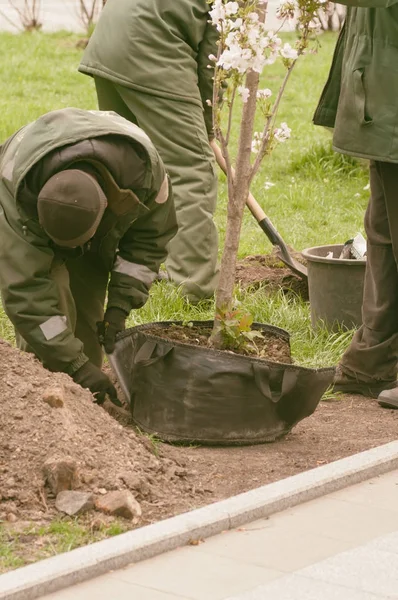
x=163 y=192
x=140 y=272
x=53 y=327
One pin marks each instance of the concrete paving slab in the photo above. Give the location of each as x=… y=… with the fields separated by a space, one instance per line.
x=342 y=520
x=365 y=569
x=273 y=544
x=191 y=574
x=382 y=494
x=389 y=543
x=296 y=587
x=105 y=588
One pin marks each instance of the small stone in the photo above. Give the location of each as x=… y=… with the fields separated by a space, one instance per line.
x=181 y=472
x=102 y=491
x=120 y=504
x=61 y=474
x=11 y=517
x=54 y=396
x=74 y=503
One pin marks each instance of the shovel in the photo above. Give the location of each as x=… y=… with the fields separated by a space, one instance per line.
x=274 y=237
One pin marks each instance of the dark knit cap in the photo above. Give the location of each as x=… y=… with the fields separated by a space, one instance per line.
x=70 y=207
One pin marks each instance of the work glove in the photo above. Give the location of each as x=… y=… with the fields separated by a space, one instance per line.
x=91 y=377
x=114 y=322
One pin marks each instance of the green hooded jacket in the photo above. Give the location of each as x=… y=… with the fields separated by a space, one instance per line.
x=360 y=99
x=132 y=236
x=159 y=47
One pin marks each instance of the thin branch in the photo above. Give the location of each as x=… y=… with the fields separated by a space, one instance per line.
x=231 y=106
x=269 y=124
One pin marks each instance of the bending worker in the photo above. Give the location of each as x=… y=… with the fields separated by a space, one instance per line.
x=149 y=60
x=84 y=198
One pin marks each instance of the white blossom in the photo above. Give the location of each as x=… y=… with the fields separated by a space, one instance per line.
x=286 y=10
x=268 y=185
x=282 y=133
x=231 y=8
x=217 y=14
x=264 y=94
x=288 y=52
x=244 y=92
x=247 y=44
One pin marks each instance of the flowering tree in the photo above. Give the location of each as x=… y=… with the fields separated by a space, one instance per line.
x=245 y=49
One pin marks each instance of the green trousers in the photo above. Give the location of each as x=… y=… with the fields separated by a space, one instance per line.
x=82 y=285
x=373 y=353
x=178 y=131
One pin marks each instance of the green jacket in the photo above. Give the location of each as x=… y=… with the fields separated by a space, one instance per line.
x=130 y=241
x=159 y=47
x=360 y=99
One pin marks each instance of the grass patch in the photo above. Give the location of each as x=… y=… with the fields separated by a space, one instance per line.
x=29 y=544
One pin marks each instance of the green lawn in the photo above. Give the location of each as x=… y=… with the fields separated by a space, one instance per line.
x=318 y=197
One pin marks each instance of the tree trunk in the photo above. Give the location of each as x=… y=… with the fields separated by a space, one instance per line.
x=238 y=194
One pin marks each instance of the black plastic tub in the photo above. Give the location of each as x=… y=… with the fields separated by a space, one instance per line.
x=335 y=287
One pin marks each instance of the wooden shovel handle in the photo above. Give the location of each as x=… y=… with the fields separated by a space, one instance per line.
x=251 y=202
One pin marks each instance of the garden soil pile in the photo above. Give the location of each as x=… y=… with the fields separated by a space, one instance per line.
x=108 y=456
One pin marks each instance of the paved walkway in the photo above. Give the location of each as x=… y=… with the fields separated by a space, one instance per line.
x=343 y=546
x=64 y=14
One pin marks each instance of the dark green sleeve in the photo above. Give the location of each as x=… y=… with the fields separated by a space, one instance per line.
x=30 y=298
x=326 y=111
x=143 y=249
x=205 y=75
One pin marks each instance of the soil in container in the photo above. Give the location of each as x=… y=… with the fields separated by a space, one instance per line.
x=267 y=347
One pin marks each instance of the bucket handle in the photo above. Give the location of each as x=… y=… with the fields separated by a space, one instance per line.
x=144 y=356
x=262 y=378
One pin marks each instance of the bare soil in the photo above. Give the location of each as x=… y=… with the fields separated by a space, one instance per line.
x=268 y=272
x=108 y=456
x=267 y=347
x=337 y=429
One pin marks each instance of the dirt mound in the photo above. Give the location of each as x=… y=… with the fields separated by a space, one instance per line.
x=108 y=456
x=268 y=271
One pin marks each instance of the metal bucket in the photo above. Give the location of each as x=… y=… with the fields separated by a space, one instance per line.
x=335 y=287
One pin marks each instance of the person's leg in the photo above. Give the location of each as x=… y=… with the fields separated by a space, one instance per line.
x=373 y=353
x=88 y=285
x=109 y=99
x=178 y=132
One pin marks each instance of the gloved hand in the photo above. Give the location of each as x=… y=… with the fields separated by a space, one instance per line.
x=114 y=322
x=91 y=377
